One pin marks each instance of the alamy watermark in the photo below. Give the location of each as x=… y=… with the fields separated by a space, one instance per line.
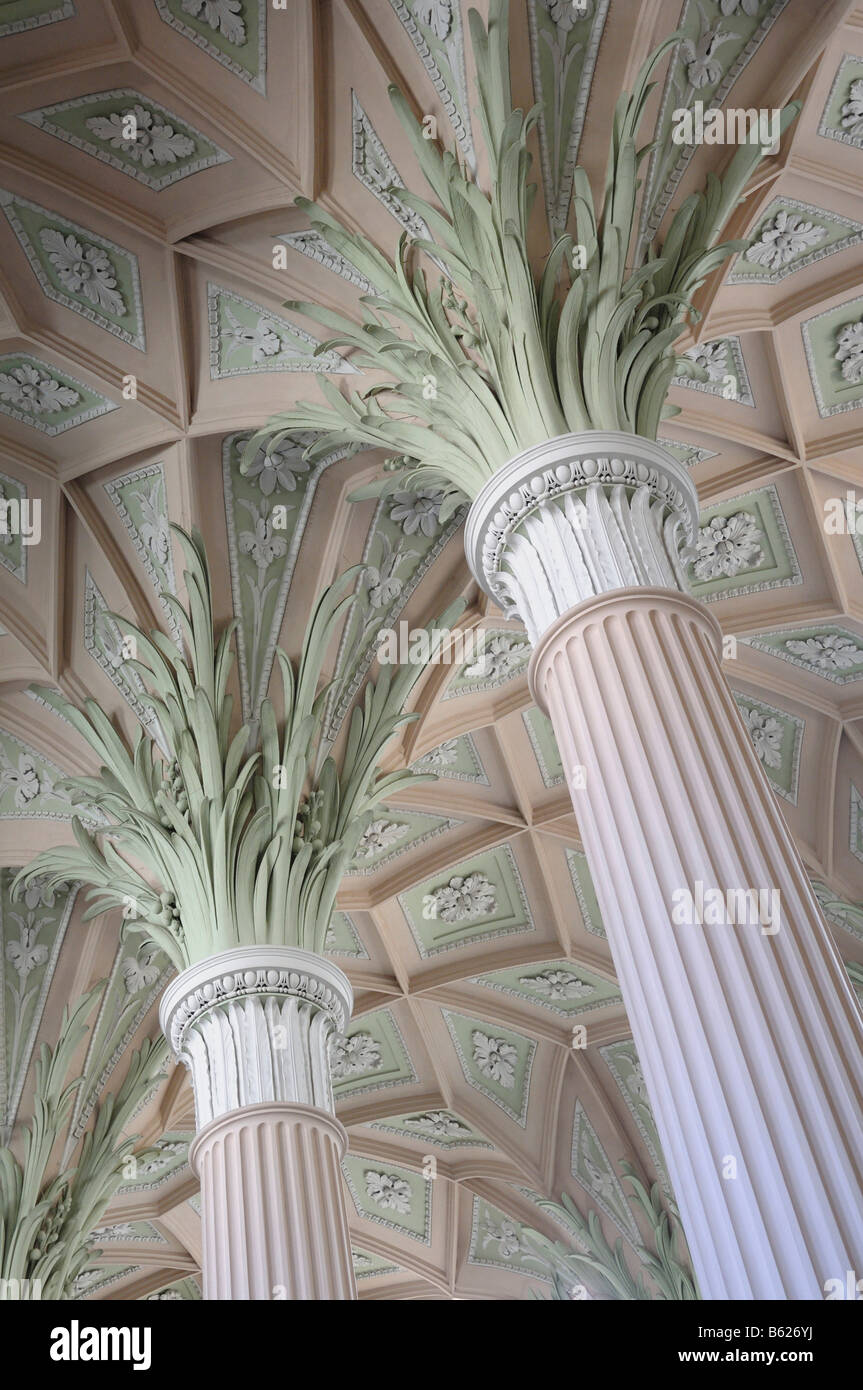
x=21 y=517
x=702 y=906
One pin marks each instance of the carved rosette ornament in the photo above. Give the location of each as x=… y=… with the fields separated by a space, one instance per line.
x=578 y=516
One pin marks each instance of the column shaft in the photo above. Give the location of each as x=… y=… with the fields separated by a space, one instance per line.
x=751 y=1040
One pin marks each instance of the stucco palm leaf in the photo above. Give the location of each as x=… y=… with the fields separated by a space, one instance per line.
x=241 y=837
x=515 y=357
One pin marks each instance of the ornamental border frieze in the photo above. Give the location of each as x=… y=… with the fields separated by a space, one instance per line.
x=495 y=522
x=250 y=982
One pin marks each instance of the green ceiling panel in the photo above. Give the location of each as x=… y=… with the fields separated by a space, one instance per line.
x=718 y=369
x=343 y=939
x=141 y=502
x=394 y=832
x=687 y=454
x=367 y=1265
x=503 y=654
x=370 y=1056
x=28 y=785
x=833 y=341
x=478 y=900
x=777 y=738
x=456 y=760
x=624 y=1064
x=17 y=16
x=842 y=117
x=154 y=1171
x=80 y=269
x=790 y=236
x=182 y=1290
x=13 y=551
x=233 y=32
x=246 y=338
x=38 y=394
x=391 y=1196
x=496 y=1239
x=544 y=744
x=31 y=934
x=743 y=547
x=131 y=133
x=593 y=1170
x=495 y=1061
x=831 y=652
x=585 y=891
x=442 y=1128
x=559 y=985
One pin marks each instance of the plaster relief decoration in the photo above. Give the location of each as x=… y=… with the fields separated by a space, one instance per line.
x=593 y=1170
x=246 y=338
x=80 y=269
x=32 y=929
x=855 y=824
x=790 y=236
x=138 y=976
x=368 y=1265
x=266 y=512
x=393 y=834
x=624 y=1064
x=833 y=653
x=564 y=42
x=110 y=650
x=233 y=32
x=31 y=785
x=455 y=760
x=390 y=1196
x=343 y=939
x=544 y=744
x=181 y=1291
x=129 y=1232
x=317 y=248
x=130 y=133
x=721 y=37
x=842 y=117
x=33 y=14
x=718 y=368
x=442 y=1128
x=495 y=1239
x=164 y=1161
x=495 y=1061
x=777 y=738
x=141 y=501
x=833 y=341
x=405 y=538
x=687 y=454
x=743 y=547
x=371 y=1056
x=376 y=171
x=476 y=900
x=13 y=551
x=435 y=29
x=559 y=986
x=584 y=891
x=39 y=395
x=839 y=913
x=503 y=655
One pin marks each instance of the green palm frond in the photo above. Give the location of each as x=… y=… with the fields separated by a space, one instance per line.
x=229 y=842
x=473 y=365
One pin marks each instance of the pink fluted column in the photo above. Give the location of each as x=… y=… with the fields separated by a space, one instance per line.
x=253 y=1026
x=751 y=1040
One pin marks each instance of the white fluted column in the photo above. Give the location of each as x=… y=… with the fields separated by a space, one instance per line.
x=253 y=1025
x=751 y=1039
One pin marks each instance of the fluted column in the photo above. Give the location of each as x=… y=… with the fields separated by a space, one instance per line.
x=749 y=1034
x=253 y=1025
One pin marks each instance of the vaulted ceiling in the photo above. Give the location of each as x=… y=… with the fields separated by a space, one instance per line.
x=150 y=154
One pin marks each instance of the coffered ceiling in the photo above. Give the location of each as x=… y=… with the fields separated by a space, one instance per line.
x=150 y=155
